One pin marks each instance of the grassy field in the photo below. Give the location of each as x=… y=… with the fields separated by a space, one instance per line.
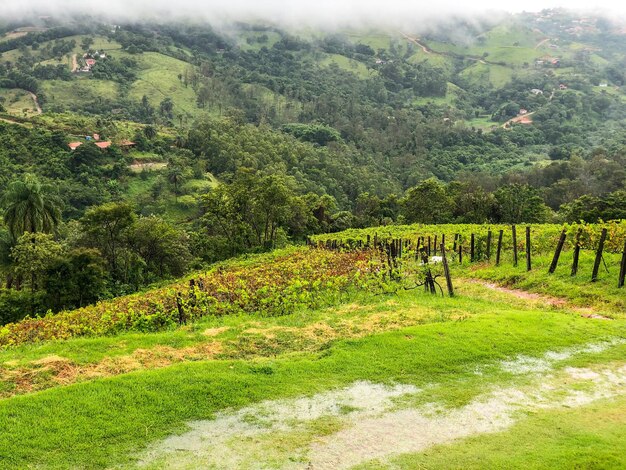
x=483 y=122
x=375 y=39
x=256 y=38
x=71 y=94
x=351 y=384
x=18 y=102
x=354 y=66
x=498 y=75
x=451 y=93
x=158 y=79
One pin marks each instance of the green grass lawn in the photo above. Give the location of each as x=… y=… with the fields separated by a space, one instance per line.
x=590 y=437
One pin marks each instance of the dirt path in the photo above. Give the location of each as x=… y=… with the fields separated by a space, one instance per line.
x=524 y=119
x=366 y=421
x=547 y=300
x=416 y=41
x=481 y=61
x=74 y=64
x=35 y=102
x=17 y=123
x=541 y=43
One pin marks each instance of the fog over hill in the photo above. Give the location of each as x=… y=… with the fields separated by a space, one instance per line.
x=322 y=13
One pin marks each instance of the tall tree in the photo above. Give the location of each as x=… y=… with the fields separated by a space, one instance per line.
x=30 y=207
x=105 y=226
x=427 y=203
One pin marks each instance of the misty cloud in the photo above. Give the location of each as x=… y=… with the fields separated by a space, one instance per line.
x=318 y=13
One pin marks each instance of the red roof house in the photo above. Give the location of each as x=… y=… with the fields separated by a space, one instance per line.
x=102 y=145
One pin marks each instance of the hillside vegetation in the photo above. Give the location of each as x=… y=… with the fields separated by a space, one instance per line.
x=222 y=142
x=331 y=337
x=268 y=246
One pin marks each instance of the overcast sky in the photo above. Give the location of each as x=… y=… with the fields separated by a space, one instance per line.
x=293 y=11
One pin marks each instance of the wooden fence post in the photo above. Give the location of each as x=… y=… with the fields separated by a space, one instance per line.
x=460 y=253
x=181 y=311
x=446 y=270
x=192 y=292
x=435 y=246
x=456 y=238
x=514 y=230
x=622 y=269
x=528 y=266
x=576 y=252
x=596 y=264
x=472 y=248
x=499 y=249
x=557 y=253
x=489 y=245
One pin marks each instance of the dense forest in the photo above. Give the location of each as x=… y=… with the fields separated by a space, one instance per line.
x=223 y=142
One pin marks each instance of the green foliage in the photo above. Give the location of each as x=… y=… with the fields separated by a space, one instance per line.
x=110 y=68
x=295 y=279
x=163 y=247
x=595 y=209
x=30 y=207
x=75 y=279
x=33 y=254
x=15 y=305
x=252 y=211
x=521 y=204
x=315 y=133
x=427 y=203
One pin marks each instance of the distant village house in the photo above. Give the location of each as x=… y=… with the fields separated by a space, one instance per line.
x=105 y=144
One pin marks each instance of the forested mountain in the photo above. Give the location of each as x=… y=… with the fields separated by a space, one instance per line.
x=192 y=142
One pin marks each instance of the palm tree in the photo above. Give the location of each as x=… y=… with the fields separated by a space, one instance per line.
x=180 y=141
x=30 y=208
x=150 y=132
x=176 y=176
